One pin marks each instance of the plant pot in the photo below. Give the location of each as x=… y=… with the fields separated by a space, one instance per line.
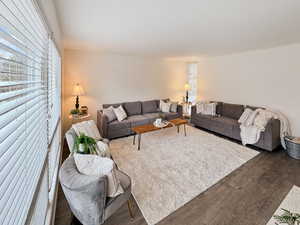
x=81 y=148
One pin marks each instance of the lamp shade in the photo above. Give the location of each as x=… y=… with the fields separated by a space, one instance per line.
x=77 y=90
x=187 y=87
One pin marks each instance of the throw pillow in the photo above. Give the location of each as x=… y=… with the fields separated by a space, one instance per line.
x=210 y=109
x=199 y=107
x=88 y=128
x=247 y=112
x=206 y=108
x=120 y=113
x=173 y=107
x=93 y=165
x=165 y=106
x=109 y=112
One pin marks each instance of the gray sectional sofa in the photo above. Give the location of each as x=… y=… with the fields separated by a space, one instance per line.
x=139 y=113
x=226 y=123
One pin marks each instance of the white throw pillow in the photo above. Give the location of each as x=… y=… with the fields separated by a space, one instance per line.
x=120 y=113
x=247 y=112
x=165 y=106
x=210 y=109
x=109 y=112
x=88 y=128
x=200 y=107
x=93 y=165
x=206 y=108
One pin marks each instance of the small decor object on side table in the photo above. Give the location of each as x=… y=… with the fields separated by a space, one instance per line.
x=76 y=114
x=288 y=218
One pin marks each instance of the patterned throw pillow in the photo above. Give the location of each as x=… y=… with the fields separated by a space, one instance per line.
x=206 y=108
x=164 y=106
x=120 y=113
x=109 y=112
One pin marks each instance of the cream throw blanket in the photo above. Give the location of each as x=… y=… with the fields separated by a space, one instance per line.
x=256 y=122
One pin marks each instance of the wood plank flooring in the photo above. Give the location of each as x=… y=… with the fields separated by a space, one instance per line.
x=248 y=196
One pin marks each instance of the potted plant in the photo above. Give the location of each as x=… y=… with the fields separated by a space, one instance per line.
x=85 y=145
x=287 y=218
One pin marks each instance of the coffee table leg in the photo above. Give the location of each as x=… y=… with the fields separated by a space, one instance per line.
x=134 y=139
x=139 y=144
x=184 y=129
x=177 y=129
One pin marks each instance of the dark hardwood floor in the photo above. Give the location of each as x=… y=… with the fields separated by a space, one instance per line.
x=248 y=196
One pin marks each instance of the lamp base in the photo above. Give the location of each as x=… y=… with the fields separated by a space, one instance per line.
x=187 y=97
x=77 y=103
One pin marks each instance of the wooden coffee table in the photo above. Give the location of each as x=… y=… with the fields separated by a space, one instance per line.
x=139 y=130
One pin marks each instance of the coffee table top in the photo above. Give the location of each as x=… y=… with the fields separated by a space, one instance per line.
x=150 y=127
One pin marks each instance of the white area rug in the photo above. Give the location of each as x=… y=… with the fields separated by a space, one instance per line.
x=291 y=202
x=171 y=169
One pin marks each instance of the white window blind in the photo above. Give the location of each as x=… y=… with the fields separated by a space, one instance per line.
x=23 y=107
x=54 y=80
x=192 y=77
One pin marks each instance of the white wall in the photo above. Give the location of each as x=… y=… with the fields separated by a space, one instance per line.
x=49 y=10
x=112 y=78
x=261 y=78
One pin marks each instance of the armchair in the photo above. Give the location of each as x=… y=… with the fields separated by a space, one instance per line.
x=87 y=195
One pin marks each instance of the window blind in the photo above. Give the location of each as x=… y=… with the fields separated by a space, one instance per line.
x=23 y=107
x=54 y=80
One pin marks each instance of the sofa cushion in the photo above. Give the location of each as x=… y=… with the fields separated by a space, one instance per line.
x=133 y=108
x=151 y=117
x=138 y=120
x=232 y=111
x=223 y=125
x=149 y=106
x=116 y=125
x=115 y=105
x=171 y=115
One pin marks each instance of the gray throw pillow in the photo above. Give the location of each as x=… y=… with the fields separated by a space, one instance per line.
x=109 y=112
x=173 y=107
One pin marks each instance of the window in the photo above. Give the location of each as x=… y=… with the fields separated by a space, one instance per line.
x=29 y=110
x=54 y=87
x=192 y=77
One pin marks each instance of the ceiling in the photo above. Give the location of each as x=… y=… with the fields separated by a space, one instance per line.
x=174 y=28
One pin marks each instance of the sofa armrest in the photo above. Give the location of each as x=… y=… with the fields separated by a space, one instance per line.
x=193 y=111
x=180 y=110
x=272 y=134
x=102 y=123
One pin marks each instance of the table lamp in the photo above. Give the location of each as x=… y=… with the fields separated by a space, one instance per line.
x=77 y=91
x=187 y=88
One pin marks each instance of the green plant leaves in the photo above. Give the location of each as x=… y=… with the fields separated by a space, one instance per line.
x=89 y=145
x=287 y=218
